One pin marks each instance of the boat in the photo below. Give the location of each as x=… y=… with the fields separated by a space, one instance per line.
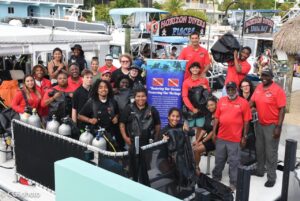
x=61 y=13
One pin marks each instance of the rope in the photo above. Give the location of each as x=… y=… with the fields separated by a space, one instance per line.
x=112 y=146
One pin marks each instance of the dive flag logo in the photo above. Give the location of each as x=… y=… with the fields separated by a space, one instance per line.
x=173 y=82
x=157 y=82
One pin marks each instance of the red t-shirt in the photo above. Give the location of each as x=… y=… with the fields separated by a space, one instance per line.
x=191 y=55
x=188 y=84
x=18 y=103
x=58 y=88
x=42 y=87
x=104 y=68
x=231 y=116
x=74 y=84
x=233 y=75
x=268 y=103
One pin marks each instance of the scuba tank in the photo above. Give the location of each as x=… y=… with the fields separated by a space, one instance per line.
x=53 y=125
x=24 y=116
x=86 y=137
x=99 y=141
x=34 y=119
x=64 y=128
x=2 y=149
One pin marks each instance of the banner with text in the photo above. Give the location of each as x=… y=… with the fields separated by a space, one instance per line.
x=181 y=25
x=259 y=25
x=164 y=83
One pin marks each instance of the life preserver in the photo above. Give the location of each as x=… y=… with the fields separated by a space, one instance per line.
x=154 y=25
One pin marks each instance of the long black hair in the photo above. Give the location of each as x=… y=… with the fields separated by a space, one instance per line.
x=94 y=90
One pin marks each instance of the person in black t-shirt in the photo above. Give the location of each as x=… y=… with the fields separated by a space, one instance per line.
x=101 y=109
x=139 y=119
x=204 y=142
x=136 y=80
x=78 y=57
x=126 y=61
x=81 y=95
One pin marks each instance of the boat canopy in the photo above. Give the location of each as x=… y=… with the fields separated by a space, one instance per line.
x=20 y=35
x=171 y=39
x=139 y=15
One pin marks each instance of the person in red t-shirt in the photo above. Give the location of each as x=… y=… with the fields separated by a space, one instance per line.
x=74 y=80
x=42 y=84
x=58 y=98
x=29 y=91
x=108 y=64
x=231 y=120
x=269 y=100
x=195 y=53
x=238 y=68
x=197 y=121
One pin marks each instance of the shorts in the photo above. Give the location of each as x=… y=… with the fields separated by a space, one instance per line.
x=209 y=146
x=196 y=122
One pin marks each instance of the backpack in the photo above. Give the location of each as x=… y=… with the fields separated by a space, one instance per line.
x=222 y=50
x=198 y=97
x=62 y=106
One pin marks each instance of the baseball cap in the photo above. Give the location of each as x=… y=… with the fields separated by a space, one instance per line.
x=231 y=85
x=267 y=72
x=106 y=71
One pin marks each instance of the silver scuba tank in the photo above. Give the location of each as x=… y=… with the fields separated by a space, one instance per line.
x=53 y=125
x=64 y=128
x=34 y=119
x=86 y=137
x=2 y=149
x=24 y=117
x=99 y=141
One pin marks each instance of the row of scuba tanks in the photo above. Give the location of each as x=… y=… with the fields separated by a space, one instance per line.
x=66 y=130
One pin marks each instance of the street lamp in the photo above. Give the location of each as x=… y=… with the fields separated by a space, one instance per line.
x=225 y=20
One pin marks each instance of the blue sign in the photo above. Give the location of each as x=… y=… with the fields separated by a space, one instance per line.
x=164 y=84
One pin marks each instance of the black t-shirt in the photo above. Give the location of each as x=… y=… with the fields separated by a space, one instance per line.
x=80 y=61
x=104 y=112
x=80 y=97
x=126 y=113
x=209 y=123
x=136 y=82
x=116 y=75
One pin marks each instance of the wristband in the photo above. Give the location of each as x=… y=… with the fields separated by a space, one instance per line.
x=279 y=126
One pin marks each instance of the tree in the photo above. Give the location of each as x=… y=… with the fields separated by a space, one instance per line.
x=173 y=6
x=195 y=13
x=125 y=4
x=248 y=4
x=157 y=5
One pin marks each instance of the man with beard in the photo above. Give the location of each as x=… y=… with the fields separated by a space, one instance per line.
x=238 y=68
x=269 y=100
x=58 y=98
x=74 y=80
x=231 y=126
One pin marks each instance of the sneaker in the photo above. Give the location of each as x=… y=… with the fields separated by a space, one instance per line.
x=269 y=183
x=255 y=173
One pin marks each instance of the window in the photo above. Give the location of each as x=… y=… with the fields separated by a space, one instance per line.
x=11 y=10
x=115 y=50
x=52 y=11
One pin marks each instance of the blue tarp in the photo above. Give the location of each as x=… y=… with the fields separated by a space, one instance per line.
x=171 y=39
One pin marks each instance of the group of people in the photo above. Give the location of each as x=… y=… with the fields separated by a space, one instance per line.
x=116 y=99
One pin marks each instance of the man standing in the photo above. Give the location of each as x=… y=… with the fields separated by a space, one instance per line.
x=195 y=53
x=239 y=68
x=231 y=125
x=108 y=64
x=81 y=95
x=74 y=80
x=269 y=100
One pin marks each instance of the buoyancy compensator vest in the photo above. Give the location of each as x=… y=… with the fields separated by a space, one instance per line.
x=140 y=123
x=62 y=106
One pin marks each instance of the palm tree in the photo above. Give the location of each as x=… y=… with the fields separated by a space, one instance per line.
x=173 y=6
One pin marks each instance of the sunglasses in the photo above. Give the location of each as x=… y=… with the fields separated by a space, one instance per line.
x=245 y=86
x=124 y=61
